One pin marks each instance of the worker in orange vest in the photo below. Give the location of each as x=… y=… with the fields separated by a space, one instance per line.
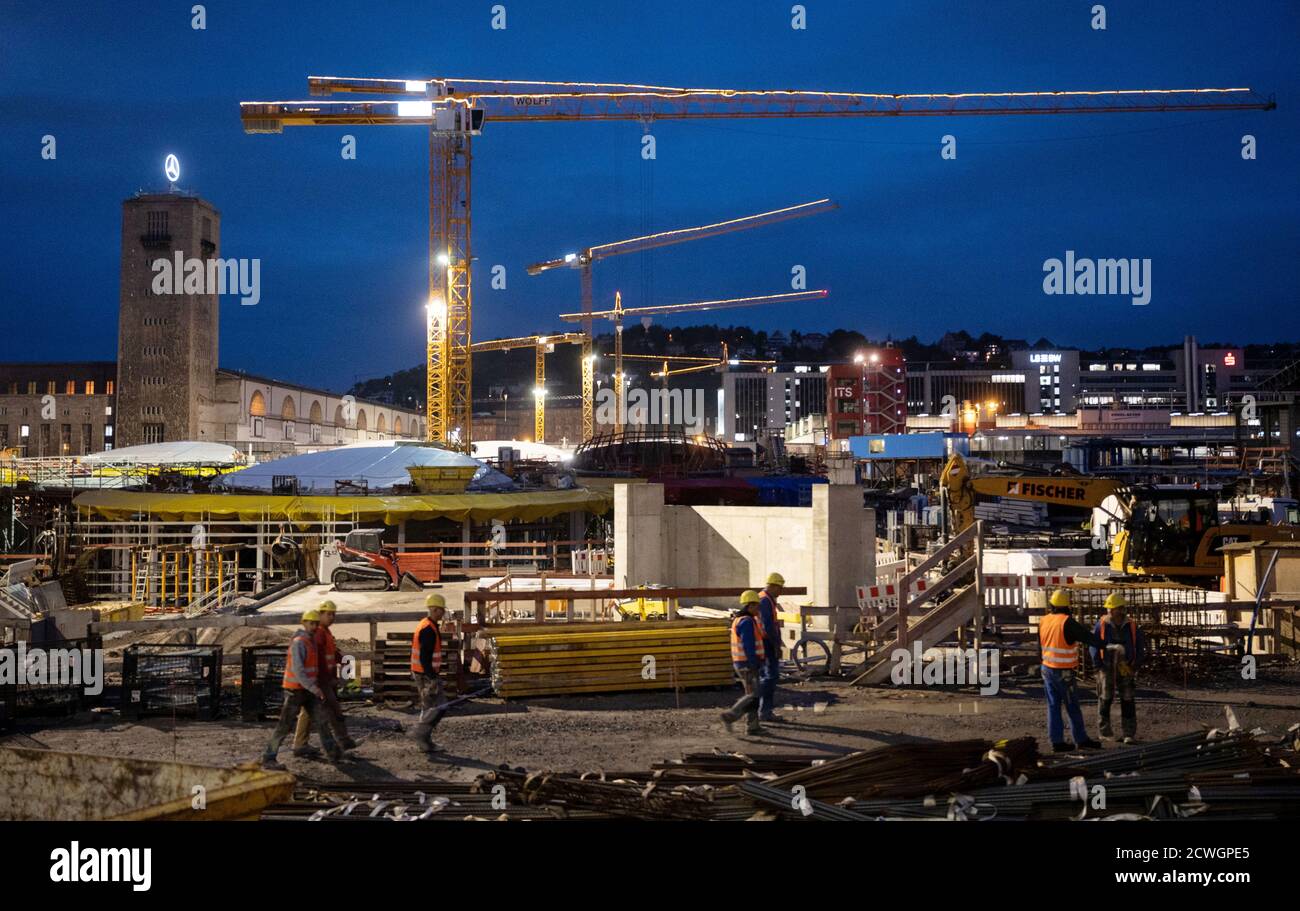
x=747 y=658
x=302 y=690
x=1117 y=670
x=426 y=662
x=328 y=677
x=1059 y=635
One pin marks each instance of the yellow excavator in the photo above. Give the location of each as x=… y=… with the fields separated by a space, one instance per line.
x=1172 y=532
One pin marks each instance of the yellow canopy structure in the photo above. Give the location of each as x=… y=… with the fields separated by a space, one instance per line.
x=389 y=510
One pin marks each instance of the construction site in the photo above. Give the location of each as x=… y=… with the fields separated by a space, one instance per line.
x=782 y=578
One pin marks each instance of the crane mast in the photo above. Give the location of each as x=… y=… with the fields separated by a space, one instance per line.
x=454 y=110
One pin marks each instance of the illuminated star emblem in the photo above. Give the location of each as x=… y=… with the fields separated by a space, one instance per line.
x=172 y=168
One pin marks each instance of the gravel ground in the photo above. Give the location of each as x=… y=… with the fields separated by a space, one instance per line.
x=630 y=731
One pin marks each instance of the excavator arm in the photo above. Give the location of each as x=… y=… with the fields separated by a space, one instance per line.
x=962 y=489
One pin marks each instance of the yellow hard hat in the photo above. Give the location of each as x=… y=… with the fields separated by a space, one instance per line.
x=326 y=607
x=1060 y=598
x=1115 y=600
x=775 y=579
x=435 y=601
x=312 y=614
x=749 y=596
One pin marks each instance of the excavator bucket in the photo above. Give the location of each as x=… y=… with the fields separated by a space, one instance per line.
x=410 y=584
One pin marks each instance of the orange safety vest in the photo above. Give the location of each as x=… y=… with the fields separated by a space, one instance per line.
x=1132 y=634
x=291 y=681
x=1057 y=653
x=416 y=666
x=737 y=644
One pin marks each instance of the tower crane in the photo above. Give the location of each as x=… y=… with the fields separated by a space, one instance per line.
x=618 y=312
x=542 y=345
x=585 y=259
x=454 y=110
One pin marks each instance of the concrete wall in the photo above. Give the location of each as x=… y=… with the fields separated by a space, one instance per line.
x=828 y=547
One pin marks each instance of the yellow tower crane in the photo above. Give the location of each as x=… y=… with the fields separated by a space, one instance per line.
x=585 y=259
x=617 y=314
x=542 y=345
x=454 y=110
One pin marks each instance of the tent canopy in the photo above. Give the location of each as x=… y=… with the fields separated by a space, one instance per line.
x=380 y=467
x=526 y=506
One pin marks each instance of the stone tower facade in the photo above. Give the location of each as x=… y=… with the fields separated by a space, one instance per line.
x=166 y=342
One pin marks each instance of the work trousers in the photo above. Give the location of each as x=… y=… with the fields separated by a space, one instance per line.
x=1059 y=685
x=333 y=713
x=747 y=704
x=296 y=701
x=767 y=681
x=431 y=697
x=1109 y=683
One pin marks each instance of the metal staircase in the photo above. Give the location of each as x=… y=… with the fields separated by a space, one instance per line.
x=936 y=614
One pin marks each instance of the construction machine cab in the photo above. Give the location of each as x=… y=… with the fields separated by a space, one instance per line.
x=1166 y=526
x=364 y=540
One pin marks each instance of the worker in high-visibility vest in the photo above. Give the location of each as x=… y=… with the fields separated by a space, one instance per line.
x=771 y=673
x=302 y=690
x=1059 y=635
x=426 y=662
x=1117 y=670
x=328 y=677
x=747 y=651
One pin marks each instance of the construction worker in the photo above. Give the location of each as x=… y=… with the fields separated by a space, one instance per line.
x=1059 y=635
x=302 y=690
x=328 y=677
x=771 y=673
x=747 y=651
x=1117 y=670
x=426 y=661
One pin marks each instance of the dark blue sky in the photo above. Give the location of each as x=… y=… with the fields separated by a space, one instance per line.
x=920 y=245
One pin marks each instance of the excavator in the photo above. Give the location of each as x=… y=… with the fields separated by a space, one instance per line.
x=1167 y=532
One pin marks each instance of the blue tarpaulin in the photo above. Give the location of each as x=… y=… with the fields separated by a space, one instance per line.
x=786 y=490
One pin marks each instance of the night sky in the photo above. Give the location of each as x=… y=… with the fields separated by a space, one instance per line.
x=920 y=245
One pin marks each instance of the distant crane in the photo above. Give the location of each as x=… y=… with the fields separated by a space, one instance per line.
x=542 y=345
x=587 y=258
x=454 y=110
x=617 y=314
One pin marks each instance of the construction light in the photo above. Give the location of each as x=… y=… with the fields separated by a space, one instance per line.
x=539 y=392
x=415 y=109
x=570 y=257
x=442 y=258
x=415 y=85
x=875 y=358
x=436 y=307
x=858 y=358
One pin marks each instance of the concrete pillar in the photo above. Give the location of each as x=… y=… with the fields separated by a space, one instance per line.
x=844 y=545
x=638 y=534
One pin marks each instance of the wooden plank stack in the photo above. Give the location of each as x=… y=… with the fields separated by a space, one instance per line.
x=390 y=669
x=552 y=659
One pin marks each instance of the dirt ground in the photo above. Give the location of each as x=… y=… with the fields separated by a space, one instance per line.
x=631 y=731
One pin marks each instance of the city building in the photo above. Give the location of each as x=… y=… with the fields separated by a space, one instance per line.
x=1051 y=379
x=165 y=385
x=868 y=395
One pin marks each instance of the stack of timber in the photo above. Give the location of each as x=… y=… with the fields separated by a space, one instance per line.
x=390 y=669
x=1020 y=513
x=540 y=660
